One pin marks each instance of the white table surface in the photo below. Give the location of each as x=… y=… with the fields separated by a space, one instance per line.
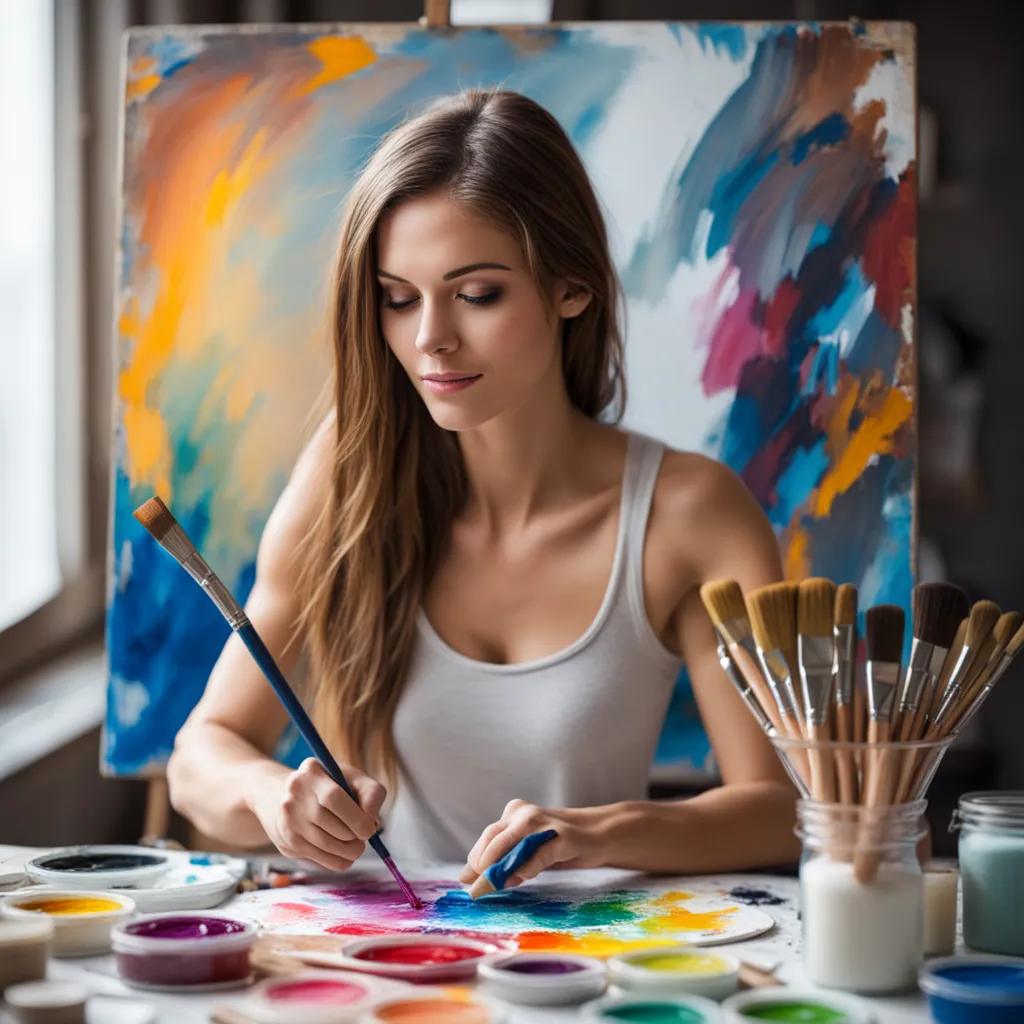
x=781 y=944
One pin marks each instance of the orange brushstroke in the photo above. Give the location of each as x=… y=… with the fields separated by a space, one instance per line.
x=339 y=56
x=798 y=555
x=873 y=437
x=139 y=87
x=669 y=917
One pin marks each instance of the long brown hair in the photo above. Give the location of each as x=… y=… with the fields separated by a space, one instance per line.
x=397 y=479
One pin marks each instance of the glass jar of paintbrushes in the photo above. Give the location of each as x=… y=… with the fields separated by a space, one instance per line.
x=861 y=735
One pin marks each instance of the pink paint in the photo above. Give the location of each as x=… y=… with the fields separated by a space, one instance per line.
x=420 y=954
x=736 y=340
x=321 y=991
x=289 y=913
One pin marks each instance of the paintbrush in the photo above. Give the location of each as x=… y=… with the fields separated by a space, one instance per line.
x=816 y=650
x=938 y=609
x=980 y=623
x=169 y=534
x=496 y=877
x=772 y=612
x=737 y=653
x=884 y=625
x=849 y=711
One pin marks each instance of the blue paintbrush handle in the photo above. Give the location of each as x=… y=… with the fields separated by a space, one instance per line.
x=498 y=874
x=258 y=649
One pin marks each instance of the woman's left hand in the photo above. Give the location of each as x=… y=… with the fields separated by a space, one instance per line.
x=581 y=841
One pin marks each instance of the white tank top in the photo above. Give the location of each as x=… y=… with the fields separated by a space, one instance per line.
x=578 y=728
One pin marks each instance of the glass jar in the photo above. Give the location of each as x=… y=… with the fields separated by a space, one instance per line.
x=991 y=850
x=861 y=895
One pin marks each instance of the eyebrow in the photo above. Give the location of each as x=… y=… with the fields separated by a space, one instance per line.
x=452 y=274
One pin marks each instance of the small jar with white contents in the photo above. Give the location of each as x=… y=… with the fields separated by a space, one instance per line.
x=991 y=850
x=861 y=895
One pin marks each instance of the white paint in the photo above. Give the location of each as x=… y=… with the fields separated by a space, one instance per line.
x=889 y=82
x=941 y=882
x=861 y=937
x=130 y=700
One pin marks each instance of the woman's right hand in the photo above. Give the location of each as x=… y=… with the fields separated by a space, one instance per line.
x=310 y=817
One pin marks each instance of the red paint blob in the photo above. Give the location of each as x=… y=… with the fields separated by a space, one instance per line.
x=323 y=991
x=420 y=954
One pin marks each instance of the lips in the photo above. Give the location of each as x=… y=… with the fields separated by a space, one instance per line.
x=449 y=383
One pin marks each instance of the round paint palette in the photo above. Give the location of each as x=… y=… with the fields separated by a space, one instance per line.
x=315 y=997
x=82 y=920
x=543 y=979
x=815 y=1006
x=654 y=1009
x=420 y=958
x=98 y=867
x=185 y=881
x=669 y=969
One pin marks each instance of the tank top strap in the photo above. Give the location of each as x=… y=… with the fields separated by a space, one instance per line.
x=643 y=466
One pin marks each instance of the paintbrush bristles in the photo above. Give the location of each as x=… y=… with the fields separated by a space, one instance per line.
x=773 y=616
x=980 y=623
x=1014 y=646
x=723 y=600
x=884 y=624
x=156 y=517
x=938 y=609
x=1006 y=628
x=846 y=605
x=815 y=607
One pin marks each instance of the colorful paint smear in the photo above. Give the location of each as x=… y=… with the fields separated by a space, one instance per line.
x=536 y=918
x=764 y=230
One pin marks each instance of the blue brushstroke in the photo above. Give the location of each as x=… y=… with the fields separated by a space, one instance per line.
x=824 y=371
x=829 y=319
x=828 y=132
x=731 y=192
x=171 y=53
x=876 y=347
x=721 y=37
x=819 y=236
x=803 y=474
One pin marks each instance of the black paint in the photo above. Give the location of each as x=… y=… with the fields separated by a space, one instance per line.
x=755 y=897
x=82 y=862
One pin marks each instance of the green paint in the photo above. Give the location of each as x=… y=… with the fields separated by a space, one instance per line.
x=795 y=1013
x=655 y=1013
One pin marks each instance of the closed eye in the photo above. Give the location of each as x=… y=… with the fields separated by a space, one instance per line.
x=482 y=300
x=391 y=304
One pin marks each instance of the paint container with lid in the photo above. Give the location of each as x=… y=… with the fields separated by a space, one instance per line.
x=543 y=979
x=426 y=1007
x=98 y=867
x=797 y=1006
x=316 y=997
x=671 y=969
x=24 y=948
x=184 y=952
x=425 y=959
x=991 y=850
x=941 y=884
x=47 y=1002
x=974 y=989
x=654 y=1009
x=82 y=920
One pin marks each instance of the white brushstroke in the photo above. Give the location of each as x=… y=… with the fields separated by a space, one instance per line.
x=130 y=700
x=889 y=82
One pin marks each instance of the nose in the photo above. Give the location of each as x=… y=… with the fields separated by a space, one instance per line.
x=436 y=332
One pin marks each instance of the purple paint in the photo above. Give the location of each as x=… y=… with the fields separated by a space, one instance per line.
x=545 y=965
x=186 y=927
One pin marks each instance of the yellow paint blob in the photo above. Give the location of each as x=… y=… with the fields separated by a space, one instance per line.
x=64 y=905
x=681 y=963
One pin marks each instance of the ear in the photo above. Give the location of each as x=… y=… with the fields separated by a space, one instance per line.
x=570 y=299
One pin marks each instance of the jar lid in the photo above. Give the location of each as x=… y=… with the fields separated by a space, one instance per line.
x=996 y=810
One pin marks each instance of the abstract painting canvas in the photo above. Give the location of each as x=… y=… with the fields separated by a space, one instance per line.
x=759 y=186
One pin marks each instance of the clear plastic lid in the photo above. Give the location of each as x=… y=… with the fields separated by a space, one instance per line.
x=990 y=812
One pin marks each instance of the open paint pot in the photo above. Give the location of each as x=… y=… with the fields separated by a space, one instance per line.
x=654 y=1009
x=670 y=969
x=797 y=1006
x=543 y=979
x=974 y=989
x=47 y=1002
x=434 y=1008
x=183 y=952
x=82 y=921
x=98 y=867
x=419 y=958
x=315 y=997
x=24 y=948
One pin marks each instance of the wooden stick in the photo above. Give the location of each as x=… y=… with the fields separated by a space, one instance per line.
x=437 y=13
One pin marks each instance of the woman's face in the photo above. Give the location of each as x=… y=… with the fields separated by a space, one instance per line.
x=464 y=316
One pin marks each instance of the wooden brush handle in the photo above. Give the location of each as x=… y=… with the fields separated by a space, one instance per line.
x=880 y=785
x=823 y=775
x=846 y=765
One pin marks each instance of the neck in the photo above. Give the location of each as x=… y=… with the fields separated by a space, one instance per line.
x=527 y=459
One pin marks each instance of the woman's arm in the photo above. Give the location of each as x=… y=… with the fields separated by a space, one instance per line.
x=745 y=823
x=221 y=774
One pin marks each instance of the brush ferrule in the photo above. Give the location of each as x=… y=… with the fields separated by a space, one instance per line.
x=780 y=681
x=742 y=688
x=734 y=631
x=883 y=682
x=918 y=670
x=997 y=673
x=817 y=675
x=956 y=684
x=195 y=565
x=845 y=637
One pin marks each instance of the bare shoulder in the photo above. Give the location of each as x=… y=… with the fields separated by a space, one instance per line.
x=702 y=508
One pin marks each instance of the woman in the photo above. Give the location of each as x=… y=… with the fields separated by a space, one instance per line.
x=494 y=585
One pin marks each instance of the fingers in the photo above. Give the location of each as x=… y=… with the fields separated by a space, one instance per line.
x=302 y=849
x=315 y=792
x=473 y=861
